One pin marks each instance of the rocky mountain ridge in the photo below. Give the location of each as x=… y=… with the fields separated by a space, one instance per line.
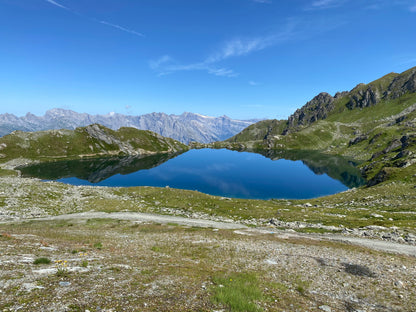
x=389 y=87
x=185 y=128
x=374 y=123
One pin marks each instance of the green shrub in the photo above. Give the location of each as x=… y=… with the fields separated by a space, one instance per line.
x=42 y=260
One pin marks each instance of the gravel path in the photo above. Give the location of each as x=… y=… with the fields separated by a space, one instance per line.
x=146 y=217
x=375 y=244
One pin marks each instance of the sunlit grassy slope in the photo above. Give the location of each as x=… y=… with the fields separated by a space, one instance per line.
x=94 y=140
x=373 y=123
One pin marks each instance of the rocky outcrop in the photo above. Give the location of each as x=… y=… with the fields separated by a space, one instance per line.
x=316 y=109
x=364 y=98
x=402 y=84
x=391 y=86
x=358 y=139
x=399 y=153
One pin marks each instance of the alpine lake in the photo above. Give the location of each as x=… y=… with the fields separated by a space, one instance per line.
x=220 y=172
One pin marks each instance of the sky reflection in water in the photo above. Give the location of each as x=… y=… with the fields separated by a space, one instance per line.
x=233 y=174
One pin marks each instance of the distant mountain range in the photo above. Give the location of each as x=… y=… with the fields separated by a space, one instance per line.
x=185 y=128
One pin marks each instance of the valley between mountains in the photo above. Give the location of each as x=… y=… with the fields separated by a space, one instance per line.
x=320 y=254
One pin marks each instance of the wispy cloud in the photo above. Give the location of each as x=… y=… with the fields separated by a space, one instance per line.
x=222 y=72
x=413 y=8
x=240 y=47
x=166 y=65
x=155 y=64
x=57 y=4
x=324 y=4
x=294 y=29
x=253 y=83
x=121 y=28
x=237 y=47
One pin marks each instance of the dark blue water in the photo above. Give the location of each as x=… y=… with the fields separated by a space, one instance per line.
x=225 y=173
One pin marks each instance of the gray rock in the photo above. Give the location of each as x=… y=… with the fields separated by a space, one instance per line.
x=362 y=98
x=358 y=139
x=314 y=110
x=410 y=238
x=325 y=308
x=404 y=83
x=375 y=215
x=399 y=284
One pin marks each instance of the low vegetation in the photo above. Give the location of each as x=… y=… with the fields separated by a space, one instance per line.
x=283 y=257
x=42 y=260
x=237 y=292
x=193 y=269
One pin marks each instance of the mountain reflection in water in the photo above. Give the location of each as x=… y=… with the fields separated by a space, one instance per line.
x=217 y=172
x=94 y=170
x=336 y=167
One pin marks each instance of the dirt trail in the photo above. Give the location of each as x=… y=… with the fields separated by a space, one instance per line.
x=375 y=244
x=146 y=217
x=243 y=229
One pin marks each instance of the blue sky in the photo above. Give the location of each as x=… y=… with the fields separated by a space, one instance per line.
x=240 y=58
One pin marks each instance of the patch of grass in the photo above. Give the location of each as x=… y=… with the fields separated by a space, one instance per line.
x=84 y=263
x=315 y=230
x=172 y=224
x=301 y=285
x=279 y=287
x=98 y=245
x=75 y=308
x=62 y=272
x=156 y=249
x=8 y=173
x=238 y=292
x=42 y=260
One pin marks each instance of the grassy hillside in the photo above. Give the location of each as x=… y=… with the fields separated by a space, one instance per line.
x=94 y=140
x=373 y=123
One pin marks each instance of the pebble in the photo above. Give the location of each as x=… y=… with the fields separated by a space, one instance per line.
x=325 y=308
x=375 y=215
x=399 y=284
